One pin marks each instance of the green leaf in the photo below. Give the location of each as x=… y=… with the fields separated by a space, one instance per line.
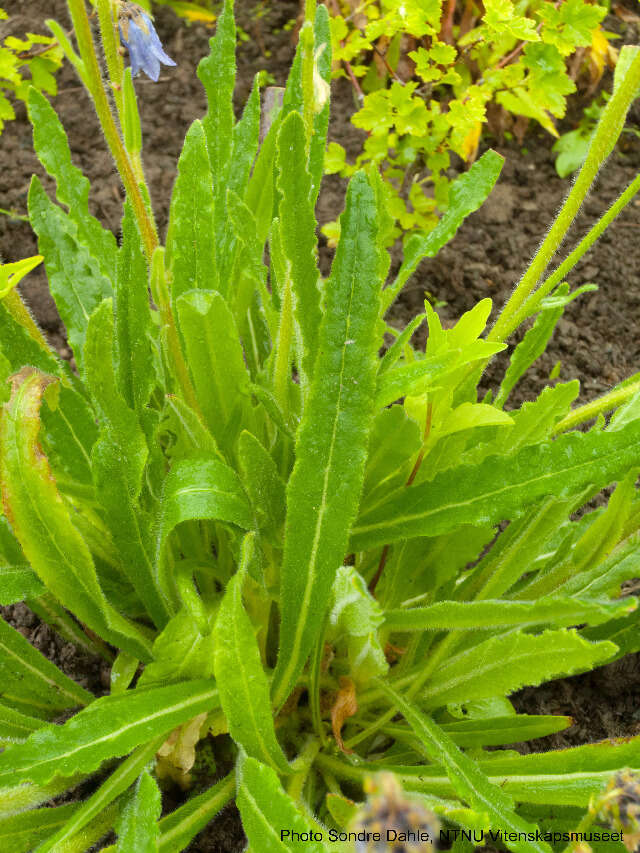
x=182 y=651
x=560 y=611
x=115 y=785
x=22 y=832
x=29 y=679
x=415 y=378
x=191 y=251
x=51 y=146
x=178 y=828
x=15 y=799
x=118 y=461
x=110 y=727
x=18 y=583
x=215 y=357
x=16 y=727
x=217 y=73
x=20 y=348
x=505 y=663
x=501 y=730
x=501 y=486
x=356 y=616
x=528 y=350
x=331 y=445
x=245 y=142
x=466 y=194
x=133 y=322
x=264 y=486
x=297 y=229
x=243 y=684
x=268 y=812
x=76 y=282
x=138 y=828
x=42 y=524
x=318 y=142
x=395 y=440
x=68 y=436
x=469 y=782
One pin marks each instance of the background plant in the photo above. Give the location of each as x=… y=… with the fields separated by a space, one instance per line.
x=31 y=61
x=431 y=76
x=280 y=540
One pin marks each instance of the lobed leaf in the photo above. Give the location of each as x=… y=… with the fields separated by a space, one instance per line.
x=331 y=444
x=75 y=280
x=51 y=145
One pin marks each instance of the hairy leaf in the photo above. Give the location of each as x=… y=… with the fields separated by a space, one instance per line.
x=108 y=728
x=467 y=778
x=243 y=684
x=505 y=663
x=138 y=828
x=500 y=487
x=191 y=252
x=267 y=809
x=331 y=444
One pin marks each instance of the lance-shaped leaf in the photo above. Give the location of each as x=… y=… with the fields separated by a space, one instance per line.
x=322 y=75
x=467 y=194
x=42 y=524
x=269 y=815
x=52 y=147
x=529 y=349
x=18 y=583
x=119 y=458
x=505 y=663
x=69 y=435
x=21 y=833
x=264 y=486
x=468 y=780
x=501 y=486
x=15 y=799
x=245 y=142
x=180 y=826
x=217 y=73
x=331 y=445
x=28 y=679
x=133 y=323
x=243 y=684
x=216 y=362
x=138 y=828
x=191 y=251
x=115 y=785
x=500 y=730
x=16 y=727
x=110 y=727
x=561 y=611
x=298 y=233
x=76 y=282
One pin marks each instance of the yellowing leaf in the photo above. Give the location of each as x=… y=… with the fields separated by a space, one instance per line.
x=12 y=274
x=469 y=147
x=601 y=54
x=177 y=754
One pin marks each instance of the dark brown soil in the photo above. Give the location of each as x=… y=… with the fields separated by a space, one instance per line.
x=596 y=341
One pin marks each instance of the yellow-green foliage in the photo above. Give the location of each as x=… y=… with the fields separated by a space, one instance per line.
x=39 y=56
x=427 y=71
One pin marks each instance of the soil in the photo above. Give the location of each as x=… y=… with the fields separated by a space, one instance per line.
x=596 y=340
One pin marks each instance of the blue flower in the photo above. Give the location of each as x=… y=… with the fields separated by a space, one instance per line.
x=138 y=35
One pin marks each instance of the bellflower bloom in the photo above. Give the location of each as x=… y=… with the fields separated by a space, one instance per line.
x=138 y=35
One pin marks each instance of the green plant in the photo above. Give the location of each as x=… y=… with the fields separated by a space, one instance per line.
x=276 y=537
x=39 y=55
x=428 y=75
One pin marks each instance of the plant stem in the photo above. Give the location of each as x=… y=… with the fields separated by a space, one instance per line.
x=87 y=50
x=533 y=303
x=604 y=138
x=606 y=403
